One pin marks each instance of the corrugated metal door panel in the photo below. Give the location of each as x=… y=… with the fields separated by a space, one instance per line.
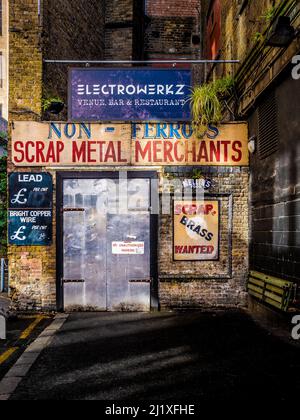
x=96 y=276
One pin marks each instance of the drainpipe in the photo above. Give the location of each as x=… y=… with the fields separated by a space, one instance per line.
x=2 y=275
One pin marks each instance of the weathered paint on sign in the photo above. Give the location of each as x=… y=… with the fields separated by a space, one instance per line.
x=198 y=184
x=30 y=191
x=128 y=248
x=196 y=230
x=176 y=144
x=129 y=94
x=160 y=144
x=30 y=212
x=61 y=144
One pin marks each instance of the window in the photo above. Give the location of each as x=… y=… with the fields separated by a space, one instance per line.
x=214 y=30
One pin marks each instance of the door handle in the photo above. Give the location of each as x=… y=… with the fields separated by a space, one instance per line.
x=142 y=281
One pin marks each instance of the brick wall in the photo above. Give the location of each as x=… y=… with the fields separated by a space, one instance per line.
x=4 y=65
x=71 y=31
x=172 y=8
x=25 y=95
x=182 y=285
x=119 y=11
x=170 y=28
x=238 y=26
x=120 y=41
x=25 y=90
x=211 y=284
x=275 y=185
x=33 y=269
x=118 y=30
x=275 y=222
x=169 y=36
x=243 y=32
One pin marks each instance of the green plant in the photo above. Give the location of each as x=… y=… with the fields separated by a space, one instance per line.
x=197 y=174
x=224 y=86
x=3 y=137
x=3 y=195
x=268 y=18
x=48 y=101
x=208 y=102
x=169 y=176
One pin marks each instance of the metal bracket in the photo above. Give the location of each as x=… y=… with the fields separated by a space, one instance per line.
x=73 y=281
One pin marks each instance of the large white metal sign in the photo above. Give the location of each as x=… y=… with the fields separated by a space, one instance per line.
x=128 y=248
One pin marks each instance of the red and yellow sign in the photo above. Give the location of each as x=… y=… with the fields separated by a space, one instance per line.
x=196 y=230
x=150 y=144
x=176 y=144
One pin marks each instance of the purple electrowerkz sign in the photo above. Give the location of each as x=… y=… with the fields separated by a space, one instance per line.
x=129 y=95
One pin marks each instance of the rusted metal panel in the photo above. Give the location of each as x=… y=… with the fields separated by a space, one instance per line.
x=150 y=144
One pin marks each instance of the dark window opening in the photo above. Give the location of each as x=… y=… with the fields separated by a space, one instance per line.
x=214 y=30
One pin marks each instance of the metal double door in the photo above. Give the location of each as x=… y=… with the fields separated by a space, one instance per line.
x=106 y=244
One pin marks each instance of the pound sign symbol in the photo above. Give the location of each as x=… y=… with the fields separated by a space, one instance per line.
x=19 y=234
x=17 y=199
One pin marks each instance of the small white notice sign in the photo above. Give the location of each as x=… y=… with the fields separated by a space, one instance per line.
x=128 y=248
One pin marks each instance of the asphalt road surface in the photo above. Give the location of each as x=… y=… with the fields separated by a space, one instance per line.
x=203 y=357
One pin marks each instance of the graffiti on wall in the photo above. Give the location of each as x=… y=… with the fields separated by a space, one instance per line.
x=129 y=95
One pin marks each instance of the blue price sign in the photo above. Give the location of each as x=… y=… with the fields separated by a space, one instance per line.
x=30 y=227
x=129 y=95
x=30 y=191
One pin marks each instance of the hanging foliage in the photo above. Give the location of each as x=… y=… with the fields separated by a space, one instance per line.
x=3 y=197
x=208 y=103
